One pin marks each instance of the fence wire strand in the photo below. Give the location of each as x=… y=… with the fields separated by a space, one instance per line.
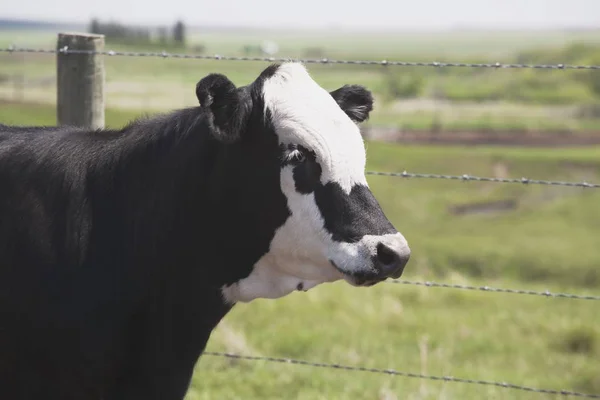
x=497 y=290
x=384 y=63
x=405 y=174
x=402 y=374
x=466 y=177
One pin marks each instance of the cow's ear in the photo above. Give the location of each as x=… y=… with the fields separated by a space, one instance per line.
x=224 y=105
x=355 y=100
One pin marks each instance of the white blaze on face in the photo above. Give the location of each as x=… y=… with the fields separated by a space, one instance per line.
x=305 y=114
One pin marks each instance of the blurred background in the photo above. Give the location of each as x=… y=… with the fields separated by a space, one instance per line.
x=505 y=123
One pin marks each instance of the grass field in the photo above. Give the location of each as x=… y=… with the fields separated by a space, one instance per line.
x=412 y=98
x=547 y=241
x=454 y=45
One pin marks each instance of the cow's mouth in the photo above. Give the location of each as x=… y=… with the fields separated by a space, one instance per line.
x=363 y=279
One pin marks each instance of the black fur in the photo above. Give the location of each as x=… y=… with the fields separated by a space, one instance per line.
x=349 y=217
x=226 y=107
x=114 y=244
x=307 y=171
x=355 y=100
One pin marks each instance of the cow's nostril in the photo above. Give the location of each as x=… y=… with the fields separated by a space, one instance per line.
x=386 y=256
x=390 y=262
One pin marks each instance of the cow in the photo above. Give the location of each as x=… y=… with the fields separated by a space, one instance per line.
x=121 y=250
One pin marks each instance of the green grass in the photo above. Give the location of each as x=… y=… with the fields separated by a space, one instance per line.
x=23 y=38
x=518 y=339
x=406 y=46
x=43 y=114
x=548 y=242
x=468 y=117
x=151 y=84
x=454 y=45
x=551 y=235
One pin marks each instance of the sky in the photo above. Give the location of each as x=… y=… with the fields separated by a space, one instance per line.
x=364 y=14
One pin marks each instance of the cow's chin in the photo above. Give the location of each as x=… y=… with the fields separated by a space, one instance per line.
x=362 y=280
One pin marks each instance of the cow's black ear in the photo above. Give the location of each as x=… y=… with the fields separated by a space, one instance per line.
x=224 y=105
x=355 y=100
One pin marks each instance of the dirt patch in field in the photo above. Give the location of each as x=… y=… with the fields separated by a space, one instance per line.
x=488 y=207
x=485 y=137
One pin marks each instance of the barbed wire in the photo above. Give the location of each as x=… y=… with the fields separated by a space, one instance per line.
x=393 y=372
x=496 y=290
x=405 y=174
x=466 y=177
x=384 y=63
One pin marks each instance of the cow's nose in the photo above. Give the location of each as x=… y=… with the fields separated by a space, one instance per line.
x=391 y=260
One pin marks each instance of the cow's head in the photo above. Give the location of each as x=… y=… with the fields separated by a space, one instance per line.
x=302 y=164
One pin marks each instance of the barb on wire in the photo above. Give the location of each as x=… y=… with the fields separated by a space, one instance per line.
x=384 y=63
x=497 y=290
x=403 y=374
x=466 y=177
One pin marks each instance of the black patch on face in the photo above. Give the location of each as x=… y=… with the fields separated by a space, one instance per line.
x=349 y=217
x=307 y=171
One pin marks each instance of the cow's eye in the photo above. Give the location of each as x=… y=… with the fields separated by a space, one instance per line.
x=296 y=157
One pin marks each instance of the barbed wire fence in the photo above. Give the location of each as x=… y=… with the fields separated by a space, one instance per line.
x=394 y=372
x=218 y=57
x=89 y=56
x=490 y=289
x=466 y=177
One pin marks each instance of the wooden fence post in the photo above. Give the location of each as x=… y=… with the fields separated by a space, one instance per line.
x=80 y=81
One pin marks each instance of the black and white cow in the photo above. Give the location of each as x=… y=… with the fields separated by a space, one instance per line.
x=120 y=251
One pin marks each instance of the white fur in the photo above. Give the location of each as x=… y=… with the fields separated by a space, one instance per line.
x=305 y=114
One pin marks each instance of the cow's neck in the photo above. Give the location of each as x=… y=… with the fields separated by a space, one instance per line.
x=182 y=204
x=163 y=199
x=219 y=205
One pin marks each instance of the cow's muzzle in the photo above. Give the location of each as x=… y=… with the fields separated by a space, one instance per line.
x=388 y=256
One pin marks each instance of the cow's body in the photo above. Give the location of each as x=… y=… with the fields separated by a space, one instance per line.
x=120 y=251
x=99 y=240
